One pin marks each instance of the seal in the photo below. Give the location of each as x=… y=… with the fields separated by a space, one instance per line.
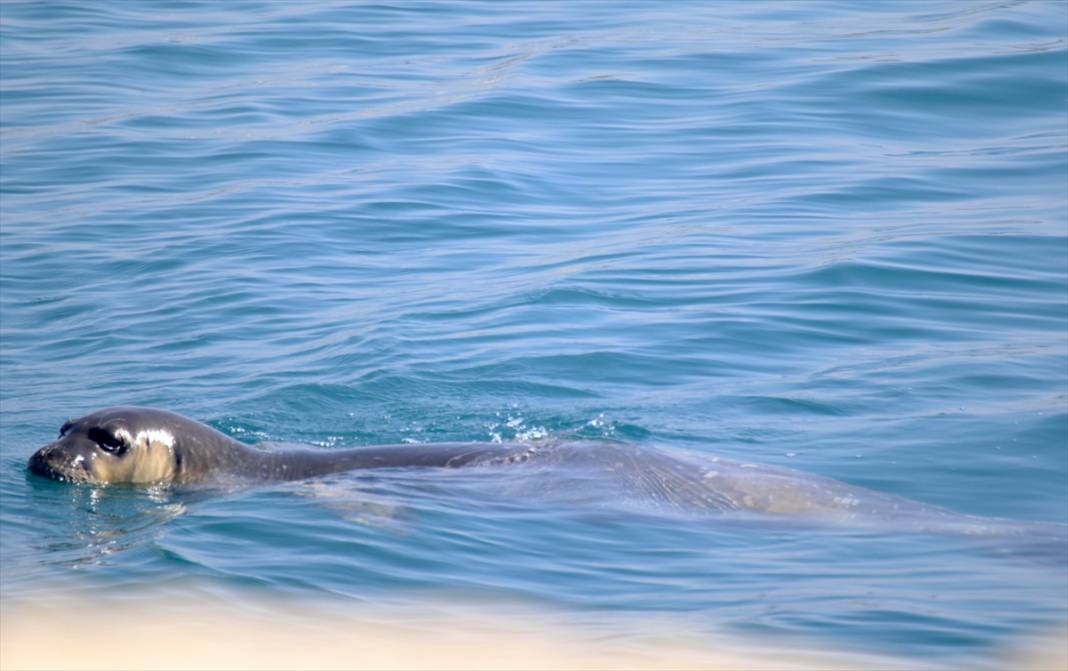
x=145 y=446
x=136 y=445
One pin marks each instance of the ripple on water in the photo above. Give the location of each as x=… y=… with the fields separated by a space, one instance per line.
x=840 y=248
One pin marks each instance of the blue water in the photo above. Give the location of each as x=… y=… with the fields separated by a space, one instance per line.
x=830 y=236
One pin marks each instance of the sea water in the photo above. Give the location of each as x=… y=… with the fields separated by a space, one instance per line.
x=828 y=236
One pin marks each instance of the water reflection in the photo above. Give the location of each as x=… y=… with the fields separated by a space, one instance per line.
x=89 y=524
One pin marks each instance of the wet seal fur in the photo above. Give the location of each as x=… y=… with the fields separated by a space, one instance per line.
x=145 y=446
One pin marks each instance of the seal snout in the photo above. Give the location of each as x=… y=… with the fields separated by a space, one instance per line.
x=50 y=462
x=39 y=462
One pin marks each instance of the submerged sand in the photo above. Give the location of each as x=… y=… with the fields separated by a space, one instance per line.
x=220 y=632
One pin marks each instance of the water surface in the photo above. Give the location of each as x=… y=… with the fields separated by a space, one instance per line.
x=829 y=236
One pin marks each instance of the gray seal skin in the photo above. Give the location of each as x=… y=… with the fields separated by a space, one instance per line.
x=148 y=446
x=156 y=447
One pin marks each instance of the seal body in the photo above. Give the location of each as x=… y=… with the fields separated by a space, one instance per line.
x=148 y=446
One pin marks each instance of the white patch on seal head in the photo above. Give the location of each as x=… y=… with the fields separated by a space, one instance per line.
x=151 y=457
x=146 y=437
x=156 y=436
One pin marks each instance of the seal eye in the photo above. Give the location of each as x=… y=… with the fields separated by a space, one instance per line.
x=106 y=441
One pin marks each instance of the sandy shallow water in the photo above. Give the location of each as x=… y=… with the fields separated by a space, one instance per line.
x=218 y=632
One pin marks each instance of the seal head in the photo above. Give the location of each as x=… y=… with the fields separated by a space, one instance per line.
x=125 y=444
